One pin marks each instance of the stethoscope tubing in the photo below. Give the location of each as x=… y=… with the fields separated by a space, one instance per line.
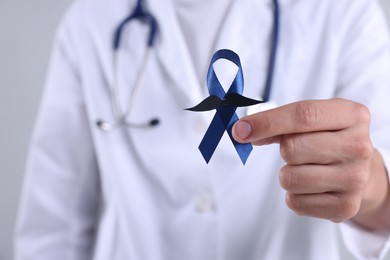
x=273 y=53
x=121 y=115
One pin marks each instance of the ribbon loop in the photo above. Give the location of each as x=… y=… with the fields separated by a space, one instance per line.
x=226 y=104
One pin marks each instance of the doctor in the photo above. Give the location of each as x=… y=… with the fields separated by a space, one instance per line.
x=145 y=193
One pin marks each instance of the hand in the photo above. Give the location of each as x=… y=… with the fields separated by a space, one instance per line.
x=328 y=153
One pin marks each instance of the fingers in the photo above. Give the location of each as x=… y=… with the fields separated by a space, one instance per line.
x=332 y=192
x=325 y=147
x=332 y=206
x=315 y=179
x=309 y=179
x=300 y=117
x=313 y=148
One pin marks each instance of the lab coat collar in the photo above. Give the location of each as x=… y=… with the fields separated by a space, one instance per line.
x=247 y=31
x=173 y=54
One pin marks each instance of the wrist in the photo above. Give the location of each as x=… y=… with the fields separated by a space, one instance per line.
x=375 y=207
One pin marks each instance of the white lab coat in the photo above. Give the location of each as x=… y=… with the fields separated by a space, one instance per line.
x=147 y=194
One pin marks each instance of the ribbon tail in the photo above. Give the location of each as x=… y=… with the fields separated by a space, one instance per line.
x=212 y=138
x=243 y=150
x=214 y=134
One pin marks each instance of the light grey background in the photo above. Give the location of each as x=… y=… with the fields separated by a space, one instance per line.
x=26 y=32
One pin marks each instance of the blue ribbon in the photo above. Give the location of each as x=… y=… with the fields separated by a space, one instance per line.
x=226 y=105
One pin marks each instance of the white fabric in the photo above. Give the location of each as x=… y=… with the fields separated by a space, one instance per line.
x=356 y=237
x=147 y=193
x=200 y=22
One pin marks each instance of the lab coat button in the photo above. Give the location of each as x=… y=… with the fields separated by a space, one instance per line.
x=205 y=204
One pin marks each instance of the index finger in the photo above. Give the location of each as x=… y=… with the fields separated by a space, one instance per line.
x=299 y=117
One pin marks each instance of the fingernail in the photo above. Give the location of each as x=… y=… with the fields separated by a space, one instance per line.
x=243 y=129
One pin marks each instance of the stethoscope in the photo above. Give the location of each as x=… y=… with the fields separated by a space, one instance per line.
x=142 y=14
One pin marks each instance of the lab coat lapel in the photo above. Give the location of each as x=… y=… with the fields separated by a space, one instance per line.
x=246 y=31
x=173 y=54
